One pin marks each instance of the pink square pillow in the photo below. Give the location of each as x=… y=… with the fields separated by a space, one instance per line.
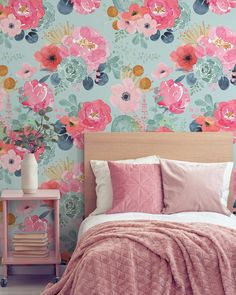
x=136 y=188
x=190 y=187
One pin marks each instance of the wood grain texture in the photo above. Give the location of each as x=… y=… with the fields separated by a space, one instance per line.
x=196 y=147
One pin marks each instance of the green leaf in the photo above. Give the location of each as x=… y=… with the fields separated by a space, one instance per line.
x=43 y=79
x=200 y=102
x=46 y=118
x=136 y=39
x=7 y=43
x=143 y=43
x=208 y=99
x=48 y=109
x=72 y=98
x=41 y=113
x=7 y=179
x=45 y=126
x=64 y=103
x=114 y=59
x=44 y=214
x=116 y=73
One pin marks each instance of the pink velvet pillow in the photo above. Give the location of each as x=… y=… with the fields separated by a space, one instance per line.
x=190 y=187
x=136 y=188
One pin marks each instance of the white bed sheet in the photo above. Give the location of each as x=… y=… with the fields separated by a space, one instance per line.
x=201 y=217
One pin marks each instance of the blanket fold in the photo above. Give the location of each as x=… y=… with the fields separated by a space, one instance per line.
x=151 y=258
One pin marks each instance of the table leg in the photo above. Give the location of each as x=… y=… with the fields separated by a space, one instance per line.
x=5 y=238
x=57 y=236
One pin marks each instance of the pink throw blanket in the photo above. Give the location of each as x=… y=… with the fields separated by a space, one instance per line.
x=151 y=258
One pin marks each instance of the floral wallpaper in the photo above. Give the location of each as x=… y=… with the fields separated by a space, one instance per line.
x=74 y=66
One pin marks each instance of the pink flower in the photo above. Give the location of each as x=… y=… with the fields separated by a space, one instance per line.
x=26 y=72
x=36 y=95
x=129 y=26
x=34 y=224
x=28 y=12
x=165 y=12
x=72 y=181
x=147 y=25
x=225 y=115
x=135 y=12
x=10 y=25
x=175 y=96
x=126 y=96
x=162 y=71
x=86 y=6
x=163 y=129
x=221 y=6
x=220 y=43
x=11 y=161
x=88 y=44
x=26 y=208
x=95 y=115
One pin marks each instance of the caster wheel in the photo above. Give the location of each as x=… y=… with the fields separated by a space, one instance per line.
x=4 y=282
x=55 y=280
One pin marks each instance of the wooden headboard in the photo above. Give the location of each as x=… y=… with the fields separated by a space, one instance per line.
x=189 y=146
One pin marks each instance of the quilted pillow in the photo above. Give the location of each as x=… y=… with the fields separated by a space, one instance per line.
x=136 y=188
x=103 y=180
x=190 y=187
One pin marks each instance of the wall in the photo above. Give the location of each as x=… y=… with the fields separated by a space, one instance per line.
x=69 y=67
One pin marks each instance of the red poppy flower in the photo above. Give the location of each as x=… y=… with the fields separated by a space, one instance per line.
x=184 y=57
x=49 y=57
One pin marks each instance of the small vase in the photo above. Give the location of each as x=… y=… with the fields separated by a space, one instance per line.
x=29 y=174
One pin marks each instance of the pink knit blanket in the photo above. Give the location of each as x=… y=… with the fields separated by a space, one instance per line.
x=151 y=258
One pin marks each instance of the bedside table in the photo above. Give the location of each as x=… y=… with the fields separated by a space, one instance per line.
x=54 y=256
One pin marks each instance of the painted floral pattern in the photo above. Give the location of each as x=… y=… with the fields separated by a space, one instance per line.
x=73 y=66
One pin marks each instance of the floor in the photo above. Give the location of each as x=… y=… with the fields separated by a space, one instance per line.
x=25 y=285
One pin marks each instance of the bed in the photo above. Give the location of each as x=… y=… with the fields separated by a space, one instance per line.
x=140 y=253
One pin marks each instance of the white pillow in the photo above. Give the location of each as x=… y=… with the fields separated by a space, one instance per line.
x=103 y=181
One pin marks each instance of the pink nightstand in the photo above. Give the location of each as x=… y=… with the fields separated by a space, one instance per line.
x=54 y=256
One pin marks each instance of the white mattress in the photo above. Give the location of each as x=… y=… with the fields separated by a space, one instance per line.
x=201 y=217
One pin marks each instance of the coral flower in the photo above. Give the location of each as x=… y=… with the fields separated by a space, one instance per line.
x=73 y=125
x=4 y=148
x=208 y=124
x=135 y=12
x=49 y=57
x=185 y=57
x=4 y=11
